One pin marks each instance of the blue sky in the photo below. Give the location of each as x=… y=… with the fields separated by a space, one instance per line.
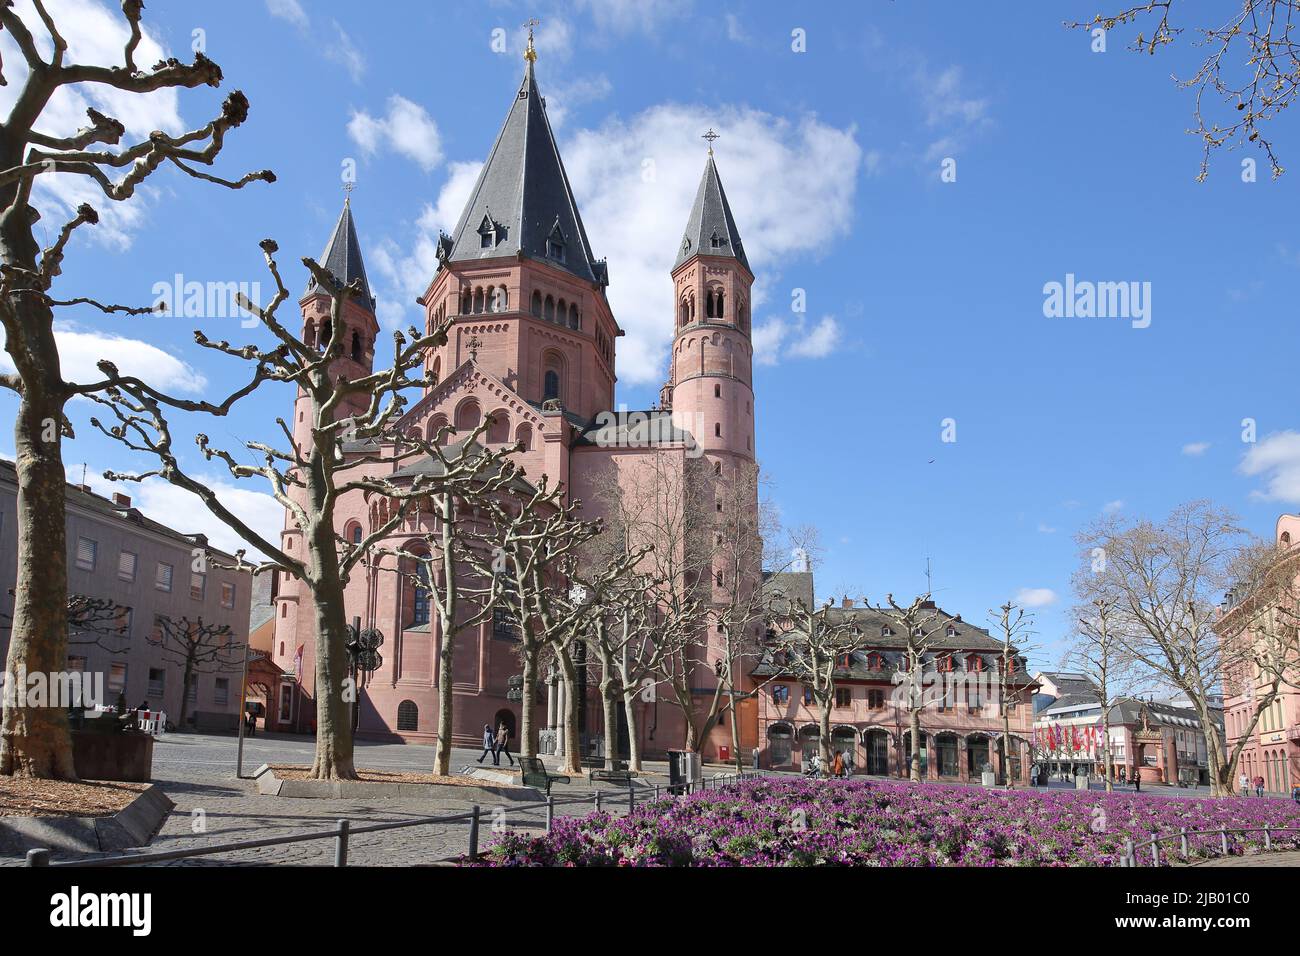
x=924 y=298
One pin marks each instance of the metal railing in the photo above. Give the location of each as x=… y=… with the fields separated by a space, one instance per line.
x=343 y=831
x=1132 y=853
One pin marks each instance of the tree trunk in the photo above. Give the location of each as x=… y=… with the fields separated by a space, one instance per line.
x=36 y=741
x=824 y=731
x=914 y=764
x=569 y=719
x=334 y=760
x=446 y=637
x=186 y=678
x=633 y=729
x=735 y=732
x=609 y=695
x=527 y=730
x=1110 y=759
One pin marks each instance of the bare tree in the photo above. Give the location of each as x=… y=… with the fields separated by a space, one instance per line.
x=1252 y=65
x=1162 y=581
x=921 y=625
x=35 y=741
x=461 y=599
x=1014 y=625
x=1097 y=653
x=350 y=448
x=198 y=648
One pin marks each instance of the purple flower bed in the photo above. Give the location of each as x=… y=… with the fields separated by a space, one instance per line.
x=769 y=821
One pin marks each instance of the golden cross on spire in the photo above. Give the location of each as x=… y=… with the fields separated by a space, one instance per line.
x=530 y=52
x=711 y=136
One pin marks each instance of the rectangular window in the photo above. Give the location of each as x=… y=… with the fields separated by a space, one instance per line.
x=875 y=699
x=163 y=578
x=286 y=703
x=221 y=690
x=503 y=625
x=157 y=682
x=807 y=695
x=198 y=586
x=192 y=692
x=126 y=565
x=76 y=664
x=227 y=595
x=843 y=697
x=87 y=551
x=780 y=694
x=117 y=678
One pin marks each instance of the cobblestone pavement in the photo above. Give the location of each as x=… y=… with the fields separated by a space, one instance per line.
x=213 y=806
x=1281 y=858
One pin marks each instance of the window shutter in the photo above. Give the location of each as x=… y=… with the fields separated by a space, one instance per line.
x=86 y=554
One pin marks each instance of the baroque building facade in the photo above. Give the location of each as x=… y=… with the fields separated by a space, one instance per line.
x=532 y=344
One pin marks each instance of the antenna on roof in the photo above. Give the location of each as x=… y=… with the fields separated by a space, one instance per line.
x=83 y=474
x=929 y=578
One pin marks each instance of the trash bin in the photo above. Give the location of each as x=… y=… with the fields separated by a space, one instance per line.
x=724 y=753
x=677 y=779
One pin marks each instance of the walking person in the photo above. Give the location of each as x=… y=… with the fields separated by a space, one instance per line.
x=489 y=744
x=1137 y=782
x=837 y=766
x=1243 y=785
x=1259 y=786
x=503 y=745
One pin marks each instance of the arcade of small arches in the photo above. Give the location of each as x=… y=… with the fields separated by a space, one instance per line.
x=316 y=335
x=467 y=416
x=715 y=308
x=876 y=750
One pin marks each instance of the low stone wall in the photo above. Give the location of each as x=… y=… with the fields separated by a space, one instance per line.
x=134 y=825
x=269 y=784
x=112 y=756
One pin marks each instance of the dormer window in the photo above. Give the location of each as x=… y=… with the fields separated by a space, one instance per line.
x=952 y=631
x=555 y=243
x=490 y=233
x=886 y=632
x=715 y=241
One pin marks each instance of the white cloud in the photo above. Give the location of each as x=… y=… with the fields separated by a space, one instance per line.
x=343 y=51
x=96 y=33
x=181 y=511
x=950 y=113
x=1035 y=597
x=1045 y=528
x=288 y=10
x=80 y=349
x=627 y=16
x=635 y=181
x=777 y=338
x=1196 y=448
x=1111 y=507
x=1277 y=458
x=407 y=129
x=736 y=31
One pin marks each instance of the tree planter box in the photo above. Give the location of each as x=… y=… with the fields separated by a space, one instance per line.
x=132 y=826
x=112 y=756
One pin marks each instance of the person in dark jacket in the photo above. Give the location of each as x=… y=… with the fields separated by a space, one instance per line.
x=489 y=744
x=503 y=745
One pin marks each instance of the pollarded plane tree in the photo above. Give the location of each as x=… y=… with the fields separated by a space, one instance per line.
x=1164 y=579
x=462 y=598
x=522 y=547
x=810 y=644
x=922 y=626
x=352 y=448
x=1096 y=652
x=197 y=648
x=1014 y=627
x=35 y=741
x=1251 y=64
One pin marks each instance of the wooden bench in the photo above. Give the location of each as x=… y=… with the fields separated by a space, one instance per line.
x=618 y=774
x=535 y=774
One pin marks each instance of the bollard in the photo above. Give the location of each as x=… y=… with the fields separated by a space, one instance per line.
x=656 y=791
x=473 y=832
x=1182 y=839
x=598 y=801
x=550 y=812
x=1223 y=840
x=341 y=844
x=1128 y=853
x=38 y=858
x=631 y=799
x=1268 y=839
x=1155 y=849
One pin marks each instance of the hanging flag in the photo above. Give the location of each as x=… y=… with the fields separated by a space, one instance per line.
x=297 y=663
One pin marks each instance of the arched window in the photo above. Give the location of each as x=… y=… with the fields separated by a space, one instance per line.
x=717 y=429
x=549 y=312
x=356 y=534
x=420 y=613
x=537 y=304
x=551 y=388
x=684 y=315
x=719 y=308
x=708 y=303
x=436 y=425
x=309 y=335
x=408 y=716
x=468 y=416
x=437 y=369
x=717 y=391
x=325 y=330
x=499 y=431
x=356 y=346
x=500 y=299
x=478 y=300
x=524 y=436
x=282 y=642
x=467 y=302
x=561 y=311
x=574 y=322
x=744 y=319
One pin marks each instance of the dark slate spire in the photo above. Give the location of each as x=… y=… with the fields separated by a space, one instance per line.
x=710 y=230
x=342 y=256
x=522 y=202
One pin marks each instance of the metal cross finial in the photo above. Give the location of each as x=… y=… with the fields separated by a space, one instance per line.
x=530 y=52
x=474 y=344
x=347 y=191
x=710 y=136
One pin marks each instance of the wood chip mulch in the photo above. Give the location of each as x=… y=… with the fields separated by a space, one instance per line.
x=390 y=776
x=24 y=797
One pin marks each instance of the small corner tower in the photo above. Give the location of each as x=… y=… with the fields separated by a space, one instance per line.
x=711 y=383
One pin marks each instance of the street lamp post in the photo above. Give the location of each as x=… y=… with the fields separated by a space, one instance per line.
x=243 y=705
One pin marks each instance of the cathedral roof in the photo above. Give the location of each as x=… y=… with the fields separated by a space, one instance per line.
x=522 y=202
x=711 y=230
x=342 y=256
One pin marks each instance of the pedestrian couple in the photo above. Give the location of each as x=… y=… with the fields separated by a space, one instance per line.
x=496 y=744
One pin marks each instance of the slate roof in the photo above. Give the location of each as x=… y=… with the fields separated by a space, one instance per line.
x=711 y=229
x=430 y=465
x=634 y=430
x=342 y=256
x=1128 y=710
x=1070 y=682
x=522 y=197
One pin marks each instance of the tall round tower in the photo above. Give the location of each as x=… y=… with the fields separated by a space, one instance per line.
x=710 y=389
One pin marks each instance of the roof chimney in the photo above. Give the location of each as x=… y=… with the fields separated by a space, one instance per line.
x=846 y=602
x=121 y=500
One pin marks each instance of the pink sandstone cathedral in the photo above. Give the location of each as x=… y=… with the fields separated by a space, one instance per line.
x=532 y=344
